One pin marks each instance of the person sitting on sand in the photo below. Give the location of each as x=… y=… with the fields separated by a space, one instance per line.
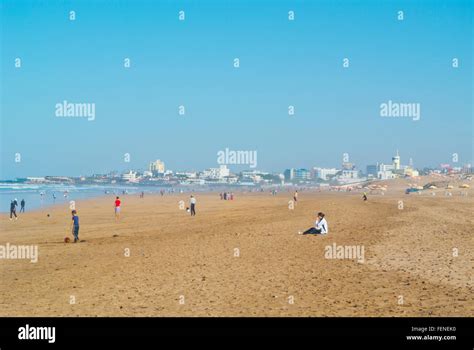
x=75 y=226
x=320 y=226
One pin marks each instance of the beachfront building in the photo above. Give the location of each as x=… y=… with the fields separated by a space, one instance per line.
x=302 y=175
x=193 y=181
x=467 y=169
x=231 y=179
x=385 y=175
x=349 y=176
x=187 y=174
x=396 y=161
x=396 y=169
x=289 y=174
x=297 y=174
x=409 y=171
x=256 y=176
x=216 y=173
x=157 y=167
x=348 y=166
x=372 y=170
x=131 y=176
x=324 y=173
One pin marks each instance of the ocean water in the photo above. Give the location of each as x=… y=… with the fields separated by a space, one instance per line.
x=41 y=196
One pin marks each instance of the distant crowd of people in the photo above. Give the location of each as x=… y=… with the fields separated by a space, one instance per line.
x=320 y=226
x=227 y=196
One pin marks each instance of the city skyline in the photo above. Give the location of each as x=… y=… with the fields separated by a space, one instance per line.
x=236 y=169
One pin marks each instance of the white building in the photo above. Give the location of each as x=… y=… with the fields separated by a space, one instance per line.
x=322 y=173
x=193 y=181
x=396 y=161
x=348 y=176
x=385 y=175
x=190 y=175
x=386 y=167
x=216 y=173
x=131 y=176
x=157 y=167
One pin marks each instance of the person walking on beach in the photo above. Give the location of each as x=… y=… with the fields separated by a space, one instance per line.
x=75 y=225
x=320 y=226
x=117 y=208
x=13 y=205
x=364 y=197
x=295 y=196
x=22 y=206
x=192 y=204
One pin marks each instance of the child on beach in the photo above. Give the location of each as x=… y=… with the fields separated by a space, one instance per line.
x=320 y=226
x=75 y=226
x=295 y=196
x=117 y=208
x=22 y=208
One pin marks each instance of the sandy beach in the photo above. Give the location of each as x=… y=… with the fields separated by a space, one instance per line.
x=245 y=257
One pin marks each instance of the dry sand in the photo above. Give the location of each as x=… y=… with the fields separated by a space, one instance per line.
x=186 y=266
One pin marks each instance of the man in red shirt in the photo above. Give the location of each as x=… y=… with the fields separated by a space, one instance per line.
x=117 y=208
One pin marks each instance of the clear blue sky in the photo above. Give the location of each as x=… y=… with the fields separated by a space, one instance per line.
x=191 y=63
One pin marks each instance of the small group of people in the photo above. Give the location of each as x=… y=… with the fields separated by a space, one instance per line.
x=227 y=196
x=75 y=218
x=14 y=205
x=320 y=226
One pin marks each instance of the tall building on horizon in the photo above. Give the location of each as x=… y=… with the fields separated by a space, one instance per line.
x=157 y=167
x=396 y=161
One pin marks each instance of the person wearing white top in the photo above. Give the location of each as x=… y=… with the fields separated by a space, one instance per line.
x=320 y=226
x=192 y=202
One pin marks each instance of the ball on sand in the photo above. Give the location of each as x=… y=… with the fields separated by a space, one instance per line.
x=67 y=240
